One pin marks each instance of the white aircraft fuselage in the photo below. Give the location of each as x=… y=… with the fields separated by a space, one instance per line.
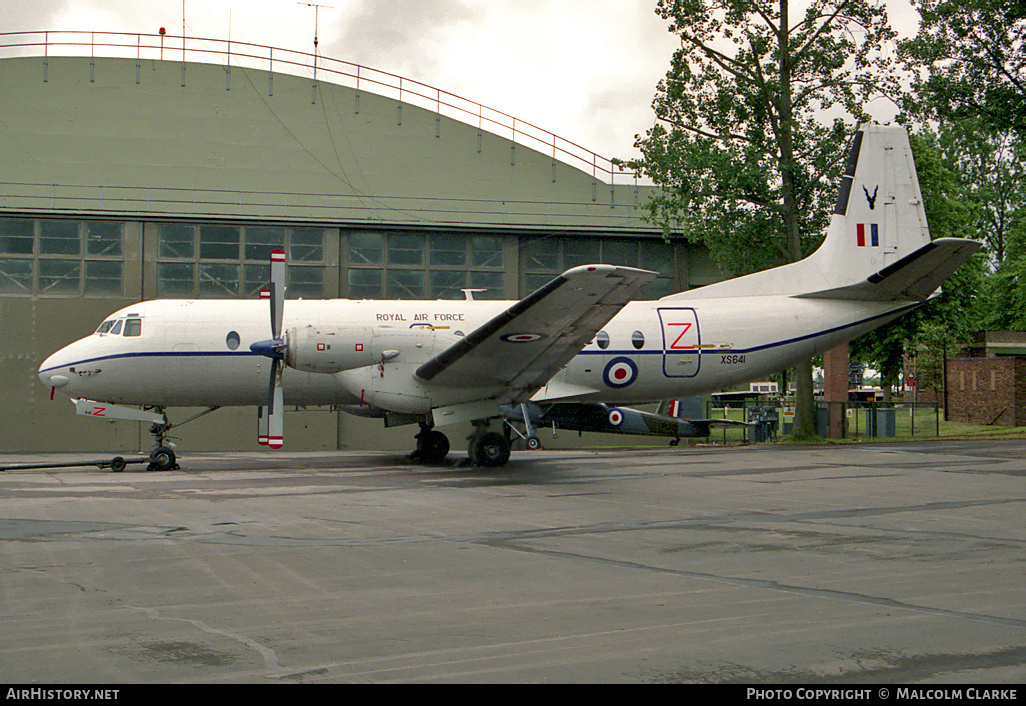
x=196 y=352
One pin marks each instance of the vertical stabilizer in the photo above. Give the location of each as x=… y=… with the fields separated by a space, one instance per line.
x=878 y=219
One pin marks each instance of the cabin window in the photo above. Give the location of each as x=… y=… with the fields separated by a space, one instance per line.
x=602 y=339
x=133 y=327
x=638 y=340
x=233 y=340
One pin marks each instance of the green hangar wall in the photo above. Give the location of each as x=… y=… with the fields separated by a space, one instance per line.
x=125 y=179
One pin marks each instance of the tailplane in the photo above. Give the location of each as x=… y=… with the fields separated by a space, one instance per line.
x=878 y=244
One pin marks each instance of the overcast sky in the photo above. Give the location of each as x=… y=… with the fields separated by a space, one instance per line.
x=585 y=70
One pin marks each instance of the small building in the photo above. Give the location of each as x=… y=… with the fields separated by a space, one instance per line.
x=987 y=383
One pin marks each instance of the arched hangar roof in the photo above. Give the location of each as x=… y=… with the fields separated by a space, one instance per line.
x=161 y=136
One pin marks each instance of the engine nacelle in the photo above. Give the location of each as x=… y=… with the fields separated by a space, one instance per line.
x=329 y=349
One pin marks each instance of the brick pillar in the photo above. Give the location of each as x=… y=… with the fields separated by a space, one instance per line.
x=835 y=388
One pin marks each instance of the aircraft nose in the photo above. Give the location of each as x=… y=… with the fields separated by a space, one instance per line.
x=53 y=371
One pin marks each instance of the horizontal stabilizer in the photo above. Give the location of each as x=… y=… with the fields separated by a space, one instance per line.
x=914 y=277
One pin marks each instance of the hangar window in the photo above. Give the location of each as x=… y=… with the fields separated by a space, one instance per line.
x=217 y=280
x=17 y=239
x=59 y=257
x=59 y=238
x=16 y=236
x=60 y=276
x=15 y=276
x=104 y=239
x=219 y=242
x=543 y=258
x=422 y=265
x=261 y=241
x=209 y=260
x=364 y=283
x=177 y=241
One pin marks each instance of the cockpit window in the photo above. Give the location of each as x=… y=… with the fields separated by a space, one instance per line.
x=133 y=327
x=116 y=331
x=105 y=326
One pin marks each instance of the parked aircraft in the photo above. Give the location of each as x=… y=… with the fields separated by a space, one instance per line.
x=669 y=420
x=580 y=338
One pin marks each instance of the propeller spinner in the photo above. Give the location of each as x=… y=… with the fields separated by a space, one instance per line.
x=270 y=420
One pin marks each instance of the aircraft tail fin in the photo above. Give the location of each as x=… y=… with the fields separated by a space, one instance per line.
x=687 y=408
x=878 y=223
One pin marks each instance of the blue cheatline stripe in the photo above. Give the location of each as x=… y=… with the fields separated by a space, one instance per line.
x=155 y=354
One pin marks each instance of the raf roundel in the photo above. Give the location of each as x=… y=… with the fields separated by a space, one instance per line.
x=522 y=337
x=615 y=417
x=620 y=372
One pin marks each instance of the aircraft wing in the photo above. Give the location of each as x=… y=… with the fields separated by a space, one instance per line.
x=523 y=347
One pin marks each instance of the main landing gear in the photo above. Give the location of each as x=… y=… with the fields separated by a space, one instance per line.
x=486 y=448
x=432 y=446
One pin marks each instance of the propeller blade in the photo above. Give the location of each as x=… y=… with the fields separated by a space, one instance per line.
x=277 y=291
x=276 y=408
x=270 y=421
x=262 y=426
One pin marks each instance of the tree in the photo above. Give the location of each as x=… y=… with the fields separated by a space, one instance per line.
x=747 y=163
x=990 y=163
x=974 y=54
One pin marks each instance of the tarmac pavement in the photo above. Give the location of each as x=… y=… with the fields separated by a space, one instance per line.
x=874 y=563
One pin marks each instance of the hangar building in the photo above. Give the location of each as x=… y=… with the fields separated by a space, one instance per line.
x=133 y=170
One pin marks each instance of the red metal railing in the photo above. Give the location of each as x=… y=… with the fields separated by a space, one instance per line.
x=230 y=52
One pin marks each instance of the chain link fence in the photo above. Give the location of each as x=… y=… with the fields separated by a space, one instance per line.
x=768 y=420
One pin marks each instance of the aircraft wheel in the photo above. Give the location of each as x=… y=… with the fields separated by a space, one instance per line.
x=434 y=447
x=490 y=450
x=162 y=459
x=117 y=464
x=533 y=443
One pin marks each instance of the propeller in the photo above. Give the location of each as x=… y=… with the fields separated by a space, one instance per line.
x=270 y=420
